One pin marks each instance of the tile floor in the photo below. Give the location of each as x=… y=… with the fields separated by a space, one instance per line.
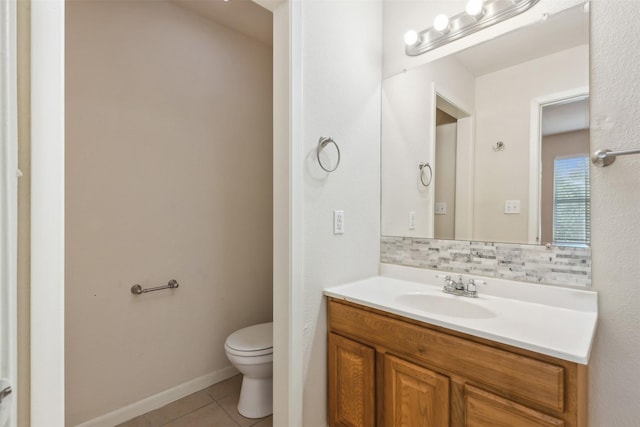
x=215 y=406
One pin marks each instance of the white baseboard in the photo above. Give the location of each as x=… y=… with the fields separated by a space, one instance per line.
x=158 y=400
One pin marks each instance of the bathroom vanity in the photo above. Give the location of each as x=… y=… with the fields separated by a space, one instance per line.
x=394 y=363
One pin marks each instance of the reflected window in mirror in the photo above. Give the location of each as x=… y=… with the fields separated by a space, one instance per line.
x=571 y=201
x=565 y=186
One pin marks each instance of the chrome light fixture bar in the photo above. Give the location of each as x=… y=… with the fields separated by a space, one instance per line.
x=479 y=14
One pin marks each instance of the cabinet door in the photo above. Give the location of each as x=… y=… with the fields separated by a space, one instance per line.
x=484 y=409
x=351 y=383
x=414 y=396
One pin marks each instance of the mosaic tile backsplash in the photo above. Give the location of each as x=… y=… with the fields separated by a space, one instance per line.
x=526 y=263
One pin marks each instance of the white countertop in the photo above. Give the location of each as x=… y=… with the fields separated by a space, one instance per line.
x=558 y=322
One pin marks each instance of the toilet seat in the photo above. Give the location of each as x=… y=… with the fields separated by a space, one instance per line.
x=256 y=340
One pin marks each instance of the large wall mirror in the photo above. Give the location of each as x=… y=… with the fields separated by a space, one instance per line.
x=492 y=143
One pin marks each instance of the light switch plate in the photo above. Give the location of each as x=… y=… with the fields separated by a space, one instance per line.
x=512 y=206
x=338 y=222
x=412 y=220
x=441 y=208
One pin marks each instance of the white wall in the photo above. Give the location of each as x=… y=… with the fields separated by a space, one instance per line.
x=503 y=113
x=614 y=374
x=169 y=175
x=341 y=52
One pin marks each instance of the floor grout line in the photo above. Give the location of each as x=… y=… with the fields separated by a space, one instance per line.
x=231 y=393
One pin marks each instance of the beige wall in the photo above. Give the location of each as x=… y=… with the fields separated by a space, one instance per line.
x=24 y=210
x=445 y=180
x=169 y=175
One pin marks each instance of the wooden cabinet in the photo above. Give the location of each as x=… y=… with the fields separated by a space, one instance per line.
x=389 y=371
x=486 y=409
x=414 y=396
x=352 y=381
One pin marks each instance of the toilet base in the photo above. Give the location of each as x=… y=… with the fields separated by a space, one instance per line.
x=256 y=397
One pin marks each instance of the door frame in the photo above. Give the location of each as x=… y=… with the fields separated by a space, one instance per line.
x=47 y=217
x=535 y=144
x=9 y=202
x=47 y=213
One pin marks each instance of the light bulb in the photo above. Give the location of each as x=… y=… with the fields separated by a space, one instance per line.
x=475 y=8
x=441 y=23
x=411 y=37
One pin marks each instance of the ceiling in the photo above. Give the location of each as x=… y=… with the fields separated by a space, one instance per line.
x=567 y=29
x=562 y=31
x=244 y=16
x=565 y=116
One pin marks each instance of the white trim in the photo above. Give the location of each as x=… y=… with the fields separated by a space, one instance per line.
x=296 y=191
x=535 y=130
x=287 y=219
x=158 y=400
x=8 y=204
x=431 y=159
x=270 y=5
x=47 y=213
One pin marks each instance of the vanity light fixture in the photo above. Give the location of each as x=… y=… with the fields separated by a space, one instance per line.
x=478 y=14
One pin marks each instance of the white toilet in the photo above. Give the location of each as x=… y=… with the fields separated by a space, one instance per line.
x=250 y=350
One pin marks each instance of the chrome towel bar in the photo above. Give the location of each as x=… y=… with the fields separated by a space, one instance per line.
x=137 y=289
x=602 y=158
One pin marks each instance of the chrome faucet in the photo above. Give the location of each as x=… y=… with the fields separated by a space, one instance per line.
x=459 y=288
x=459 y=285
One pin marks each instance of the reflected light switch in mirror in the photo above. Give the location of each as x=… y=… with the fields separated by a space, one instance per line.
x=512 y=206
x=441 y=208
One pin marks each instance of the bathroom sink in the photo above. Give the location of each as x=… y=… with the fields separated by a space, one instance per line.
x=444 y=305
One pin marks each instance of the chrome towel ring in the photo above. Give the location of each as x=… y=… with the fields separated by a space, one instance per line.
x=322 y=143
x=422 y=166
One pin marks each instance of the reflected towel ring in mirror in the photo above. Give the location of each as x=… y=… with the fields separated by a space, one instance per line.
x=322 y=143
x=422 y=166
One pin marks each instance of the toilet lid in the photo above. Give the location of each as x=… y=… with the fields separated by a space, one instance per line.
x=252 y=338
